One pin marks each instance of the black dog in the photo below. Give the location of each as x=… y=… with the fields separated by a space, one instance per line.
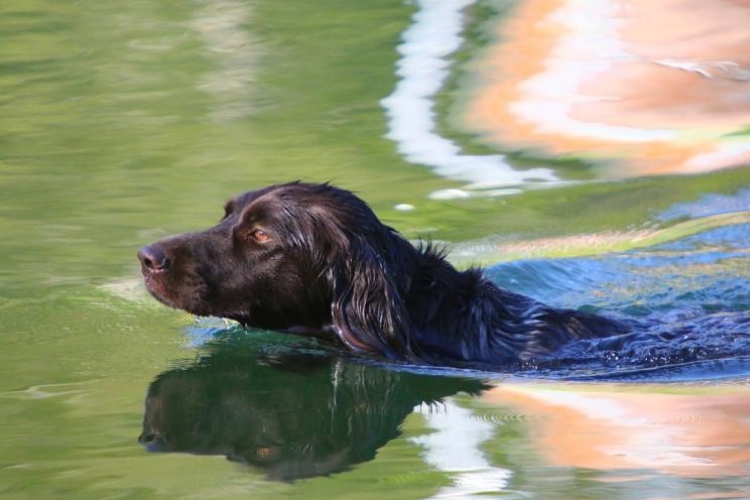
x=314 y=259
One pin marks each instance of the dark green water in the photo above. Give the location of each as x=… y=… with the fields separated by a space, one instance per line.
x=121 y=122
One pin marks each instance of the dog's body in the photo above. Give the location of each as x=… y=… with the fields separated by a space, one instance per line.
x=314 y=259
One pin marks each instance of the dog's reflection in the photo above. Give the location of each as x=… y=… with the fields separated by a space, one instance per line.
x=292 y=415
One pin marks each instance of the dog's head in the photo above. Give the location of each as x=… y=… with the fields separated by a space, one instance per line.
x=296 y=255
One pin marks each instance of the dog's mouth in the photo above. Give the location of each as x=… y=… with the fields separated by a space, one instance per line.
x=157 y=288
x=148 y=272
x=185 y=291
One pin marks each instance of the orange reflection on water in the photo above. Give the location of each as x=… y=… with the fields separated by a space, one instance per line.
x=703 y=433
x=649 y=87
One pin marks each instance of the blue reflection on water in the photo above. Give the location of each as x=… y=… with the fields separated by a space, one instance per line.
x=689 y=302
x=681 y=274
x=711 y=204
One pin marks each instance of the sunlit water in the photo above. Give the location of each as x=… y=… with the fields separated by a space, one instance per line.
x=123 y=122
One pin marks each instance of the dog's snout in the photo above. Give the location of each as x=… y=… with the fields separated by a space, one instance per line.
x=153 y=258
x=153 y=441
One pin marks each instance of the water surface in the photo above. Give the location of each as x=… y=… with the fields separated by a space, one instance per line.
x=123 y=122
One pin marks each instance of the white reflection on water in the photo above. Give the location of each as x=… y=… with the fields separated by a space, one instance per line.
x=454 y=448
x=732 y=153
x=556 y=89
x=434 y=35
x=220 y=25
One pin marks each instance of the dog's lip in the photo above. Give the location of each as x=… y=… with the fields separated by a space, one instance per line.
x=159 y=287
x=153 y=284
x=157 y=292
x=148 y=272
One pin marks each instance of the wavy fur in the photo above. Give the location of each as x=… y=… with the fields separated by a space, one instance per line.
x=327 y=266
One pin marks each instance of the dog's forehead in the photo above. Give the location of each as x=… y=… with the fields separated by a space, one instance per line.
x=286 y=195
x=297 y=201
x=240 y=202
x=269 y=204
x=243 y=200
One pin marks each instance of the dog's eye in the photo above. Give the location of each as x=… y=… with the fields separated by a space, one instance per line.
x=259 y=235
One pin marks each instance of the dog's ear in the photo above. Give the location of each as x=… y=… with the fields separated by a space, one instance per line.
x=368 y=288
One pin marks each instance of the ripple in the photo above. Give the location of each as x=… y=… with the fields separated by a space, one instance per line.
x=502 y=417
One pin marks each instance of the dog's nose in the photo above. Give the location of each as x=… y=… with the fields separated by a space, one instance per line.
x=153 y=441
x=153 y=258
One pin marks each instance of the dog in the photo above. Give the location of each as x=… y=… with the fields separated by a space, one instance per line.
x=314 y=259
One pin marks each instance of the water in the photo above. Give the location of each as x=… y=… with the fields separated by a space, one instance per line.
x=687 y=298
x=124 y=122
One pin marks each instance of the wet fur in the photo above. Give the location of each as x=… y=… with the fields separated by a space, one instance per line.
x=332 y=269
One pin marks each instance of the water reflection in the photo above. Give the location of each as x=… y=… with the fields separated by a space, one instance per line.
x=220 y=25
x=435 y=34
x=688 y=299
x=601 y=81
x=295 y=412
x=672 y=430
x=292 y=414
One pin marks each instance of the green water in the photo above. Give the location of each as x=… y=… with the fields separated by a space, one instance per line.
x=121 y=122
